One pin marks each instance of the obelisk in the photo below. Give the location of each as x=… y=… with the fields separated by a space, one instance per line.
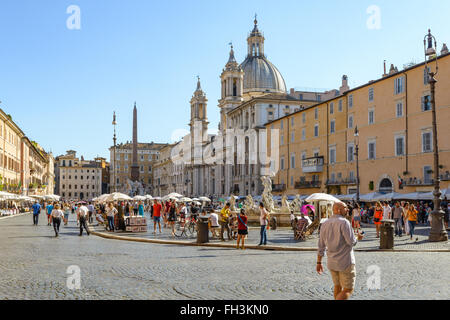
x=135 y=166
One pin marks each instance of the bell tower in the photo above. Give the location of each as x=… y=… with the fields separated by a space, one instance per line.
x=232 y=80
x=199 y=119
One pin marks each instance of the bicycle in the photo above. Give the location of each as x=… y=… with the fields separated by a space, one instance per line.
x=185 y=227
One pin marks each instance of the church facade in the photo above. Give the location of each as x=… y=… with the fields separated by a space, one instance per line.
x=233 y=161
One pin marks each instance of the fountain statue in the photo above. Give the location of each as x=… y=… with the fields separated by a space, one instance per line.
x=134 y=188
x=296 y=204
x=267 y=198
x=232 y=203
x=285 y=207
x=250 y=207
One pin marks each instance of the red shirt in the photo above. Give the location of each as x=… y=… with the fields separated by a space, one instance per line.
x=241 y=225
x=157 y=210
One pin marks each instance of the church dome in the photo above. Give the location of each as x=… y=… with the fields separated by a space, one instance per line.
x=261 y=75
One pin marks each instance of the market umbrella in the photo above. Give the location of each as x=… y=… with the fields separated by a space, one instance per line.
x=195 y=199
x=347 y=197
x=102 y=198
x=174 y=195
x=370 y=197
x=185 y=199
x=205 y=199
x=148 y=197
x=117 y=196
x=322 y=197
x=386 y=197
x=139 y=198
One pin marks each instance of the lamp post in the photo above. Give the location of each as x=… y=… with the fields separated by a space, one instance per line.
x=114 y=123
x=357 y=162
x=437 y=232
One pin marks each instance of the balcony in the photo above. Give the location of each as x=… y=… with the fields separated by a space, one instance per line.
x=418 y=182
x=341 y=182
x=303 y=184
x=278 y=187
x=312 y=165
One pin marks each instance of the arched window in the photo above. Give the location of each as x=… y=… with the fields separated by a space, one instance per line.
x=385 y=186
x=234 y=88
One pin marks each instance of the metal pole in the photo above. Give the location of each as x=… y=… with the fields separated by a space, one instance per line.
x=437 y=232
x=357 y=172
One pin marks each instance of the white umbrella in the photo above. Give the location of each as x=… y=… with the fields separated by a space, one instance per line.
x=197 y=203
x=139 y=198
x=195 y=199
x=148 y=197
x=322 y=197
x=408 y=196
x=205 y=199
x=117 y=196
x=185 y=199
x=174 y=195
x=157 y=198
x=102 y=198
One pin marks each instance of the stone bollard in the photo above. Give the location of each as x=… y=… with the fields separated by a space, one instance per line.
x=387 y=234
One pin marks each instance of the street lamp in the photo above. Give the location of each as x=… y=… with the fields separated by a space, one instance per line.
x=437 y=232
x=114 y=123
x=357 y=162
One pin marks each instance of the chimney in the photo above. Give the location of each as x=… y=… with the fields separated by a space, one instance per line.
x=384 y=69
x=344 y=86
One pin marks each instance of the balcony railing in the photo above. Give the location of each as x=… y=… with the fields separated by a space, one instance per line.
x=278 y=187
x=308 y=184
x=312 y=165
x=341 y=182
x=418 y=182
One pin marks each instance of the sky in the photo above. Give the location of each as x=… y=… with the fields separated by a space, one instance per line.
x=61 y=84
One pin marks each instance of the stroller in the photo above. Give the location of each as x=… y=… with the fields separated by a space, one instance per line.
x=299 y=229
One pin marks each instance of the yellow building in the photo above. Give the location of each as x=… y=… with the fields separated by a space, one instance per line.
x=393 y=116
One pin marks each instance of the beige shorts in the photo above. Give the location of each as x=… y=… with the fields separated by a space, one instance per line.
x=345 y=279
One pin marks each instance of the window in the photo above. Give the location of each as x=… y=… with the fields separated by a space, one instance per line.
x=332 y=126
x=350 y=121
x=293 y=160
x=303 y=134
x=399 y=146
x=292 y=180
x=371 y=116
x=399 y=109
x=331 y=108
x=350 y=101
x=282 y=163
x=281 y=124
x=292 y=121
x=333 y=177
x=316 y=130
x=427 y=146
x=319 y=97
x=399 y=85
x=426 y=103
x=300 y=96
x=340 y=105
x=332 y=155
x=281 y=140
x=316 y=113
x=351 y=175
x=426 y=77
x=304 y=117
x=292 y=136
x=427 y=171
x=350 y=152
x=303 y=155
x=371 y=150
x=370 y=94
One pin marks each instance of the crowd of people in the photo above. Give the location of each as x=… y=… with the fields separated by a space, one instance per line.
x=406 y=215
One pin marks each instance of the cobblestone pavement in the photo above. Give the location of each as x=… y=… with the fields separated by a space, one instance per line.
x=33 y=265
x=285 y=237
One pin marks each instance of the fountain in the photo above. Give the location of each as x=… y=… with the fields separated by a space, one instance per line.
x=134 y=188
